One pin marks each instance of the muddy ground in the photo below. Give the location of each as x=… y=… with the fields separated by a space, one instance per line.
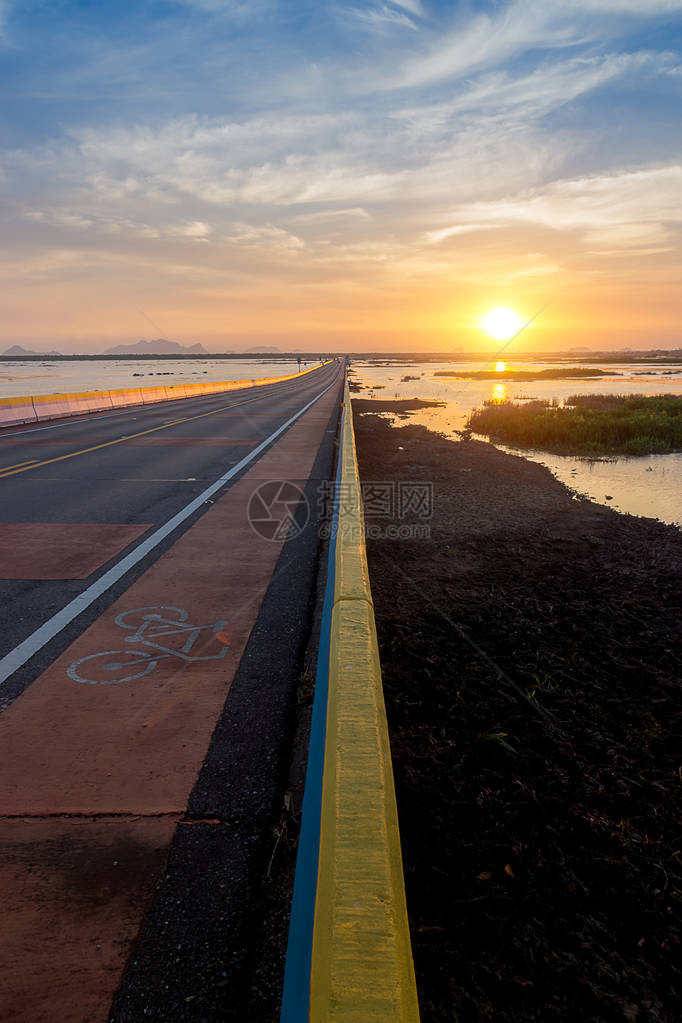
x=531 y=651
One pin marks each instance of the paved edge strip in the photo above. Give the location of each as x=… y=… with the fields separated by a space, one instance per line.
x=361 y=967
x=36 y=408
x=22 y=653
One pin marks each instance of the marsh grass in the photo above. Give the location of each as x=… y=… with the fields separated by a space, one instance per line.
x=587 y=424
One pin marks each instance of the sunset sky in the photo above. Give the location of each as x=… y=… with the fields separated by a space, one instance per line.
x=344 y=175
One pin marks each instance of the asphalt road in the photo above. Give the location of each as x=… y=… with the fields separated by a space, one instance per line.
x=140 y=784
x=133 y=468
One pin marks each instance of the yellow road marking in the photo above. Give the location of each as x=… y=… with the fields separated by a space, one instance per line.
x=17 y=464
x=13 y=470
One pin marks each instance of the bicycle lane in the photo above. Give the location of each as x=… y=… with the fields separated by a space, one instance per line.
x=101 y=753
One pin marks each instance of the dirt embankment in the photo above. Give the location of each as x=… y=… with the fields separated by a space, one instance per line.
x=532 y=653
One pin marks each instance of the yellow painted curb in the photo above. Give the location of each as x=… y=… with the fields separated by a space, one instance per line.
x=362 y=969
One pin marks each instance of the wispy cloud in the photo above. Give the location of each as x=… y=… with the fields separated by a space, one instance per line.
x=264 y=235
x=549 y=87
x=325 y=216
x=385 y=15
x=229 y=8
x=539 y=270
x=443 y=233
x=413 y=6
x=644 y=8
x=481 y=42
x=197 y=229
x=624 y=209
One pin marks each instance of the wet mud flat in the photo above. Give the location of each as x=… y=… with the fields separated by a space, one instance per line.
x=532 y=656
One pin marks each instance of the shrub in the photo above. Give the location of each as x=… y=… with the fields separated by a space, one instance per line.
x=590 y=424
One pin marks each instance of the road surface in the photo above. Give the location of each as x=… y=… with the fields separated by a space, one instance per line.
x=153 y=618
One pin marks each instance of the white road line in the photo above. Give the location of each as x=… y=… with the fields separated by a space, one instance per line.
x=17 y=657
x=59 y=426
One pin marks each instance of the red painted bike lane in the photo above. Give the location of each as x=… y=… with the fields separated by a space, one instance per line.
x=101 y=752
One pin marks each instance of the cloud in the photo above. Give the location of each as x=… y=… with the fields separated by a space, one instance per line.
x=624 y=209
x=5 y=8
x=195 y=229
x=550 y=86
x=481 y=42
x=521 y=29
x=229 y=8
x=646 y=8
x=276 y=161
x=539 y=270
x=267 y=235
x=443 y=233
x=322 y=216
x=413 y=6
x=380 y=16
x=97 y=223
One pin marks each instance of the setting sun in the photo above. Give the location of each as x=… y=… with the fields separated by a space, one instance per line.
x=502 y=323
x=500 y=367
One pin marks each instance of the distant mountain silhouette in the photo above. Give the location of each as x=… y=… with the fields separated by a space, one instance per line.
x=17 y=350
x=158 y=347
x=261 y=349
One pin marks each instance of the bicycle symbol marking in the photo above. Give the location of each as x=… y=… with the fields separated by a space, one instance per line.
x=152 y=628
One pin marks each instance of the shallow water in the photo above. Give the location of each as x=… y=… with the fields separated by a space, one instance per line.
x=650 y=486
x=19 y=378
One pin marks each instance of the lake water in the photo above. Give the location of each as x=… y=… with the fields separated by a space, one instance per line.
x=19 y=378
x=650 y=486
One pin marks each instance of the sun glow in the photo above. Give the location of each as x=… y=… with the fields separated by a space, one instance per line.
x=500 y=367
x=502 y=323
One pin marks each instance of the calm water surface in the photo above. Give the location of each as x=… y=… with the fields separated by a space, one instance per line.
x=18 y=378
x=650 y=486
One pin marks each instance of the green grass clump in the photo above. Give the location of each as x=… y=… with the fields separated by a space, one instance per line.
x=588 y=424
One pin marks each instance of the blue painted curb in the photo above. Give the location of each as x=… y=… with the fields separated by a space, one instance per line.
x=296 y=991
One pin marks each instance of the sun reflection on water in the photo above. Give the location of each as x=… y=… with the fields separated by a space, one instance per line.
x=498 y=393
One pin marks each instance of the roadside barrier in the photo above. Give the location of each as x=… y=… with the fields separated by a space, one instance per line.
x=349 y=956
x=31 y=409
x=54 y=406
x=17 y=410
